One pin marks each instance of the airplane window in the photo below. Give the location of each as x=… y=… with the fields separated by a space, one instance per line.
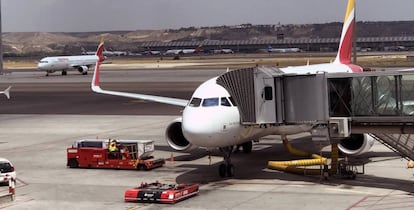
x=195 y=102
x=210 y=102
x=224 y=101
x=232 y=101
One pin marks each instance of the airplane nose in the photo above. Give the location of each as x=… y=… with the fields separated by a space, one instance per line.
x=205 y=127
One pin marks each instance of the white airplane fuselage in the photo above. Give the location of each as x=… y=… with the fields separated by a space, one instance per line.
x=66 y=62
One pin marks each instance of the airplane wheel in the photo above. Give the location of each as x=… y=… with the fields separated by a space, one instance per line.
x=230 y=170
x=85 y=73
x=247 y=147
x=222 y=170
x=64 y=73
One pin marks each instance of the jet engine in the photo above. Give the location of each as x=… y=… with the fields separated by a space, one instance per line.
x=356 y=144
x=83 y=70
x=175 y=137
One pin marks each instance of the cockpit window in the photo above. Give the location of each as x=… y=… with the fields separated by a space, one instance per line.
x=224 y=101
x=211 y=102
x=195 y=102
x=42 y=61
x=232 y=101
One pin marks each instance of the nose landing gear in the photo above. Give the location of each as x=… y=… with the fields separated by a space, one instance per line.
x=226 y=169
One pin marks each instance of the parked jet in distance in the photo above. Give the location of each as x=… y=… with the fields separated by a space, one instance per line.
x=105 y=52
x=6 y=92
x=211 y=119
x=82 y=63
x=270 y=49
x=148 y=51
x=223 y=51
x=198 y=49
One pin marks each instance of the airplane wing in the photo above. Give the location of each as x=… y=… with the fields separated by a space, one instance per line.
x=6 y=92
x=165 y=100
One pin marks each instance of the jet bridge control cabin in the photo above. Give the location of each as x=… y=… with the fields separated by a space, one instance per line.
x=337 y=104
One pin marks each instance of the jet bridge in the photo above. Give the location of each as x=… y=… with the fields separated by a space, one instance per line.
x=337 y=104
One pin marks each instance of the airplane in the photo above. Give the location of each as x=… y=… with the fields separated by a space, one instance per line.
x=223 y=51
x=82 y=63
x=198 y=49
x=151 y=52
x=211 y=119
x=270 y=49
x=105 y=52
x=6 y=92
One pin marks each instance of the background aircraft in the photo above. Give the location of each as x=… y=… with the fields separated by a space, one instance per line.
x=184 y=51
x=82 y=63
x=211 y=119
x=270 y=49
x=6 y=92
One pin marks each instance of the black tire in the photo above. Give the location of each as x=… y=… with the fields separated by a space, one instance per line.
x=230 y=170
x=73 y=163
x=64 y=73
x=141 y=167
x=222 y=170
x=247 y=147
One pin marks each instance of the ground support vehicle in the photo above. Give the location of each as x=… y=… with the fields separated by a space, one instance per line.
x=161 y=193
x=7 y=171
x=130 y=154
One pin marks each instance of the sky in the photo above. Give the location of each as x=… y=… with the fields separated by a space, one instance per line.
x=111 y=15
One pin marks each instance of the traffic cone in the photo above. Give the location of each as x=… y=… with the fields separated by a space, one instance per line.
x=172 y=158
x=11 y=186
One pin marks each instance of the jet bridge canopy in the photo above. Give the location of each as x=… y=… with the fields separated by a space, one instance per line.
x=337 y=104
x=266 y=95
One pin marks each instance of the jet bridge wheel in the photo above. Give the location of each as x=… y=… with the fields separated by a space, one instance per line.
x=247 y=147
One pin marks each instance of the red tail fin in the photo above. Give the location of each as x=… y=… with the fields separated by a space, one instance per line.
x=345 y=45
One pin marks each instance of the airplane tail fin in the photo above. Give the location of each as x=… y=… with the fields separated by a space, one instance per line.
x=199 y=48
x=99 y=51
x=345 y=45
x=7 y=92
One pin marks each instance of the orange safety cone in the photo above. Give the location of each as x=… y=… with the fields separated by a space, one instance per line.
x=172 y=158
x=11 y=186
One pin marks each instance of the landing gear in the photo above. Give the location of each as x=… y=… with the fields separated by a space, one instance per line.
x=64 y=73
x=247 y=147
x=226 y=169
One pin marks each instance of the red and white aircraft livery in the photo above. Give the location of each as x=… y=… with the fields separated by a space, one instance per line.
x=210 y=119
x=82 y=63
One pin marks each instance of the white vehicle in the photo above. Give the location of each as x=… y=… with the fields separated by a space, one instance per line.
x=7 y=171
x=211 y=119
x=82 y=63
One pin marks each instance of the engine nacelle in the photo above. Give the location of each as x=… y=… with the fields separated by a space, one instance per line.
x=175 y=137
x=356 y=144
x=83 y=69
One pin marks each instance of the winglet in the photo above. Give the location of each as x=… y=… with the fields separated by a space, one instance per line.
x=99 y=51
x=345 y=44
x=95 y=80
x=7 y=92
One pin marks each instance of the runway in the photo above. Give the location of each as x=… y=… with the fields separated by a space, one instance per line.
x=46 y=114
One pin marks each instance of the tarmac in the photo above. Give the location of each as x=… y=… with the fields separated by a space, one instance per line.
x=47 y=114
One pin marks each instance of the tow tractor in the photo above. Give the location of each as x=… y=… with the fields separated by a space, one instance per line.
x=161 y=193
x=129 y=154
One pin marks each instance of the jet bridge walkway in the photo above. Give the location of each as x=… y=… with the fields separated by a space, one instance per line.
x=336 y=104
